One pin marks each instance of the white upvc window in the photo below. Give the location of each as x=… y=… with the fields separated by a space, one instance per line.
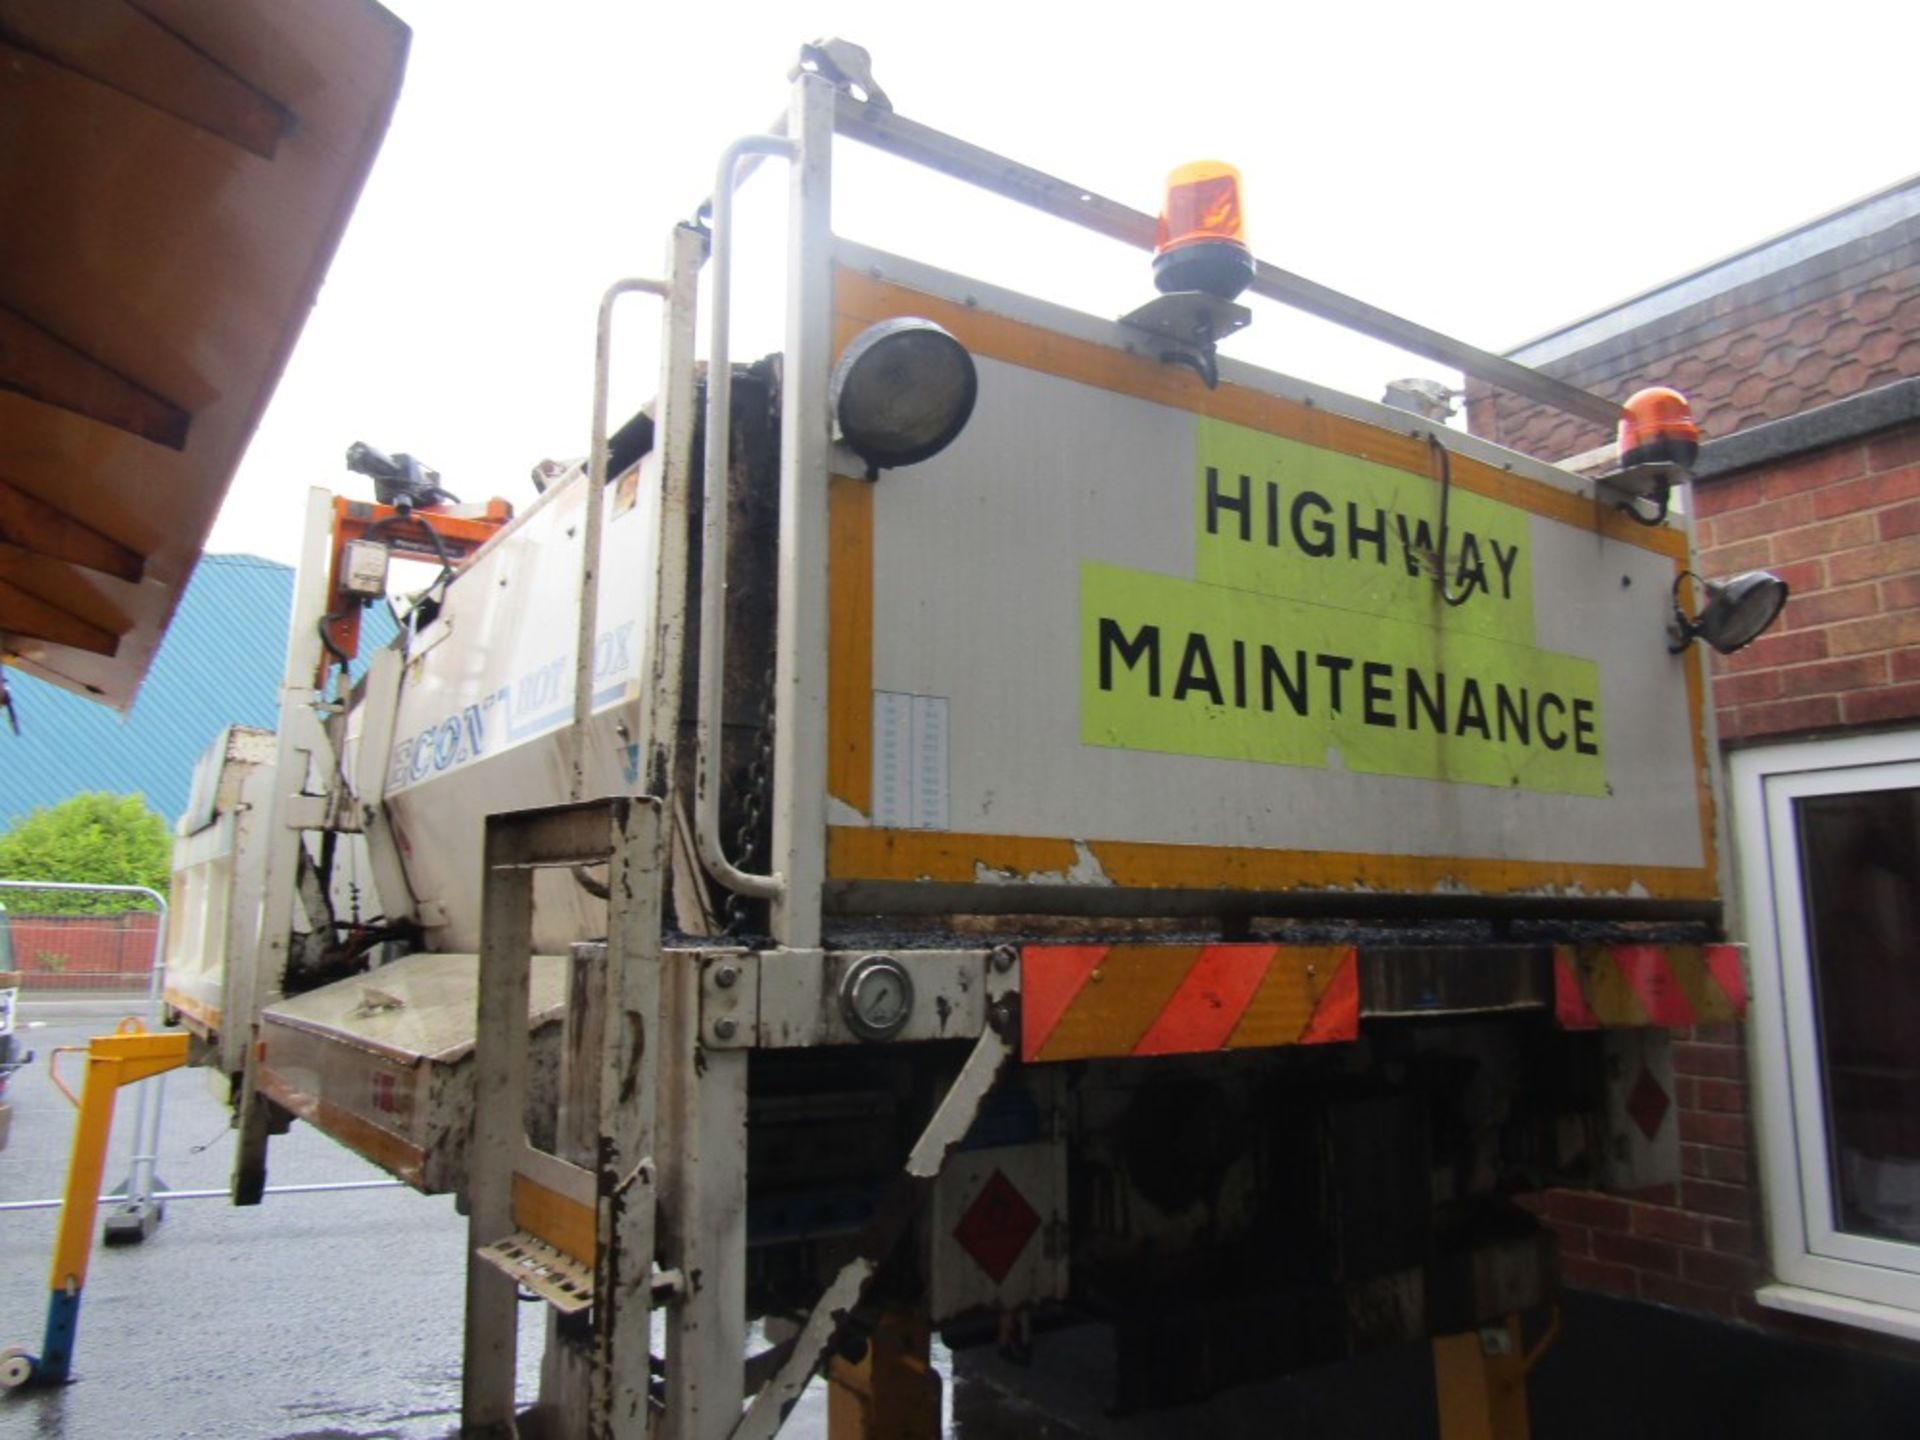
x=1828 y=838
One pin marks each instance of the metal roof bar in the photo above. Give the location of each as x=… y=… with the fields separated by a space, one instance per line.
x=926 y=146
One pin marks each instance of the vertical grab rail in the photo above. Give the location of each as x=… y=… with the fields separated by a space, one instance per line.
x=586 y=642
x=713 y=554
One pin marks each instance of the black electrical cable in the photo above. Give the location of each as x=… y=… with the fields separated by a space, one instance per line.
x=1633 y=511
x=1440 y=558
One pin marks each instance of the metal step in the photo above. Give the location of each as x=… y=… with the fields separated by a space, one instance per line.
x=556 y=1277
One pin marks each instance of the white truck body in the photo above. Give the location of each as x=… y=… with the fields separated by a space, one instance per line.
x=1196 y=834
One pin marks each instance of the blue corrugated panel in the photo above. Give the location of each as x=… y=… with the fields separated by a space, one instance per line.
x=219 y=665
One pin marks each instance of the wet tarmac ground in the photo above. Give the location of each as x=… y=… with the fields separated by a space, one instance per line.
x=334 y=1315
x=337 y=1316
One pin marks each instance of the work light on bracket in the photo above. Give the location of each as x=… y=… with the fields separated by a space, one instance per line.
x=1734 y=613
x=902 y=392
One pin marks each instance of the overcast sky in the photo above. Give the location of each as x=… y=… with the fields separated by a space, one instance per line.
x=1490 y=170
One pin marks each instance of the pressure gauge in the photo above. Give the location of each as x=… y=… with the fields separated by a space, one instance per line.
x=876 y=997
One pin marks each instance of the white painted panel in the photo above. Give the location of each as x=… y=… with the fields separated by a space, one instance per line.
x=484 y=710
x=978 y=599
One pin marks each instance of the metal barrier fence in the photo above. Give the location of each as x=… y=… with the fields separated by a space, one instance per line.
x=45 y=1118
x=34 y=1164
x=84 y=953
x=169 y=1196
x=187 y=1159
x=149 y=1099
x=41 y=1129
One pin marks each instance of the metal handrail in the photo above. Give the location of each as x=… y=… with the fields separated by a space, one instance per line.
x=586 y=644
x=713 y=552
x=923 y=145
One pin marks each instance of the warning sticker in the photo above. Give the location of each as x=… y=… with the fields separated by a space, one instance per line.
x=997 y=1226
x=910 y=761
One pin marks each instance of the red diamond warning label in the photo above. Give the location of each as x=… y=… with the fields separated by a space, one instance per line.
x=1648 y=1103
x=997 y=1226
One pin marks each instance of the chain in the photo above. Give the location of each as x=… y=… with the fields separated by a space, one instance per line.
x=746 y=841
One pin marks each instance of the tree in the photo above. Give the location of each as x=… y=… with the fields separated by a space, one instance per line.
x=90 y=839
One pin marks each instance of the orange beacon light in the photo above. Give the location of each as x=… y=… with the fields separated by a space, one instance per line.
x=1657 y=428
x=1202 y=239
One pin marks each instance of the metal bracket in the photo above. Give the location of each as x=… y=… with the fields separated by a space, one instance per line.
x=798 y=1003
x=848 y=66
x=729 y=999
x=1190 y=317
x=894 y=1216
x=308 y=812
x=1639 y=482
x=1187 y=327
x=1628 y=487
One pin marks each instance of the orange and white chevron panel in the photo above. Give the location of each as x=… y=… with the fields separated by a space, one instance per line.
x=1671 y=986
x=1081 y=1002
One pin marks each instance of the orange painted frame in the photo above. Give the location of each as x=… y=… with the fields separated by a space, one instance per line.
x=861 y=853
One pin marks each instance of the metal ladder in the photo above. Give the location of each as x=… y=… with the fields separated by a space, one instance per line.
x=575 y=1228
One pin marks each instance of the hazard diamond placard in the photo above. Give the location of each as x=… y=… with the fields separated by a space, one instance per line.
x=997 y=1226
x=995 y=1214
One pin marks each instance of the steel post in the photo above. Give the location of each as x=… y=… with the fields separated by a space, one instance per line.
x=892 y=1392
x=566 y=1369
x=500 y=1070
x=800 y=665
x=1480 y=1381
x=673 y=441
x=704 y=1175
x=299 y=737
x=627 y=1181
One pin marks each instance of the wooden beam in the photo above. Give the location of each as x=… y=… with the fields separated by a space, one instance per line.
x=118 y=45
x=31 y=524
x=40 y=365
x=28 y=617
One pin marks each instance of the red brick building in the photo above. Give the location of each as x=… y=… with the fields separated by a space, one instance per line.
x=1799 y=1203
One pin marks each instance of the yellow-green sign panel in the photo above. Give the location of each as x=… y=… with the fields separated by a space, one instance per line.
x=1283 y=518
x=1315 y=635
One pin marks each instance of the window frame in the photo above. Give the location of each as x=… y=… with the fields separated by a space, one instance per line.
x=1826 y=1271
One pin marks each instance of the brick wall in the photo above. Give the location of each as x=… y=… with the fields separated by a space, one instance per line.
x=1842 y=524
x=84 y=952
x=1809 y=367
x=1842 y=527
x=1699 y=1245
x=1695 y=1244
